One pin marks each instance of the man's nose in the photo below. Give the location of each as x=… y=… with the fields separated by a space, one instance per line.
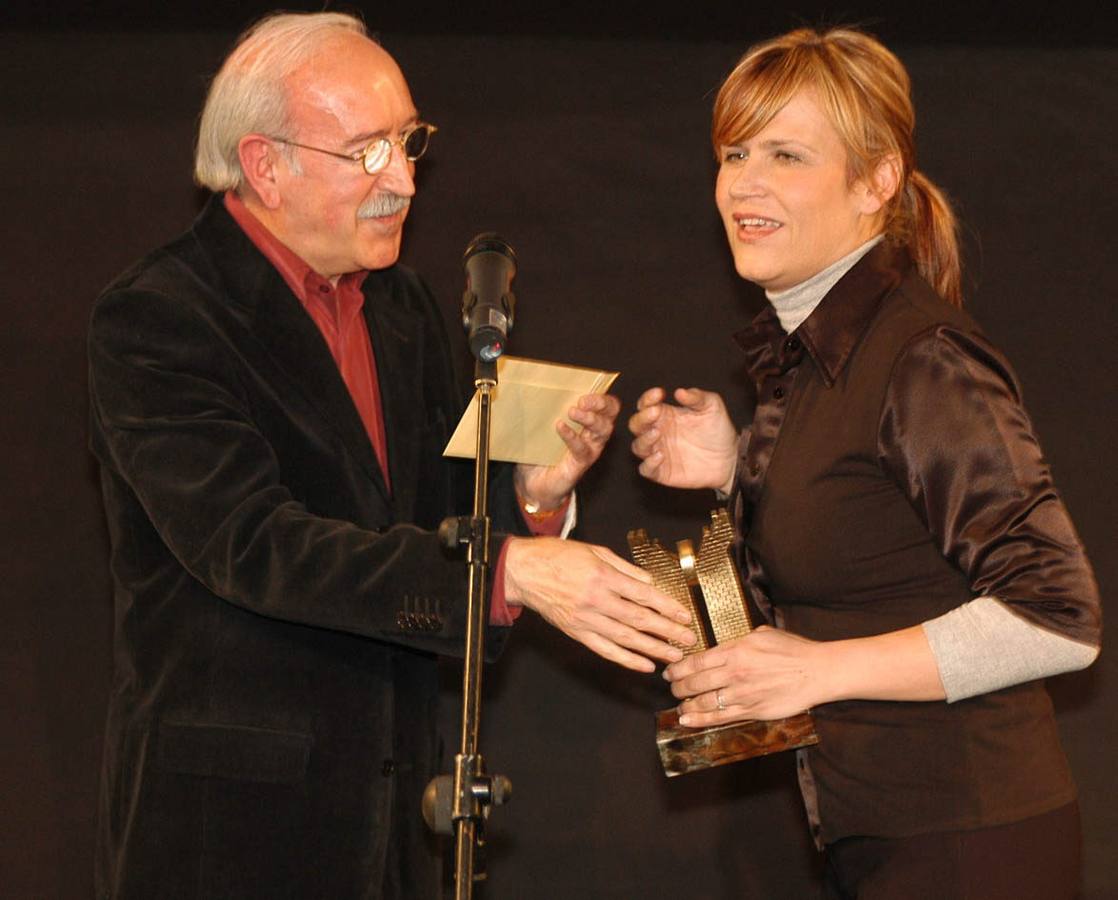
x=398 y=175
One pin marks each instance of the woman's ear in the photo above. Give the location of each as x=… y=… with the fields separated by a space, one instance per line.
x=882 y=184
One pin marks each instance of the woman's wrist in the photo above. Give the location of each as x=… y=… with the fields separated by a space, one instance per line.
x=727 y=486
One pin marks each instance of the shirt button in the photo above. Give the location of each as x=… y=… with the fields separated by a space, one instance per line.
x=388 y=767
x=755 y=470
x=791 y=345
x=778 y=393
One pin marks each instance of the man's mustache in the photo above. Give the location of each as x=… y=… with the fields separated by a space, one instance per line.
x=383 y=204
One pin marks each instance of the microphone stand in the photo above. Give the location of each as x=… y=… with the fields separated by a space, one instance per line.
x=461 y=802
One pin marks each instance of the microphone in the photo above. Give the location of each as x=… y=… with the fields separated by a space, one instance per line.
x=488 y=303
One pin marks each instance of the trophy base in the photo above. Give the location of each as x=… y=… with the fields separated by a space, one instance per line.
x=685 y=750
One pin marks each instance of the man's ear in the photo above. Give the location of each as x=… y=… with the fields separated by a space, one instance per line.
x=882 y=184
x=258 y=161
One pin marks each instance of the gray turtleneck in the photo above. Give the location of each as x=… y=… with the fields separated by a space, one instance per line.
x=797 y=302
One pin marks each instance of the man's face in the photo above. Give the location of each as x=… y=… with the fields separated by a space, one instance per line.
x=333 y=214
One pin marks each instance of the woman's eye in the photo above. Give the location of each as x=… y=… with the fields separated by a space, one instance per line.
x=733 y=155
x=785 y=156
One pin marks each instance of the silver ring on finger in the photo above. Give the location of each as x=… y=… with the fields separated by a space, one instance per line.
x=719 y=699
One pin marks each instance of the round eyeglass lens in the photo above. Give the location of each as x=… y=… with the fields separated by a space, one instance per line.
x=376 y=155
x=415 y=144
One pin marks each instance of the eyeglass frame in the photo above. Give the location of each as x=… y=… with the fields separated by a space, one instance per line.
x=362 y=156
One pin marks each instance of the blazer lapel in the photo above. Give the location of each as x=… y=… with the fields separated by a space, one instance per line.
x=294 y=342
x=397 y=338
x=289 y=336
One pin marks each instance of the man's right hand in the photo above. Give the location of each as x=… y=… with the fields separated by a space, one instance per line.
x=596 y=597
x=689 y=445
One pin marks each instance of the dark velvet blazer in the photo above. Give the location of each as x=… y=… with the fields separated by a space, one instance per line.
x=277 y=612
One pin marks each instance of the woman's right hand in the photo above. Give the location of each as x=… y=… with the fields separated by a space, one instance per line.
x=687 y=444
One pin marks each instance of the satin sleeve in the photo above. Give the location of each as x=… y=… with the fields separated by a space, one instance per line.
x=954 y=434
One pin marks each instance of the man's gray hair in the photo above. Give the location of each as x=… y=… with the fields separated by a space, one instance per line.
x=248 y=94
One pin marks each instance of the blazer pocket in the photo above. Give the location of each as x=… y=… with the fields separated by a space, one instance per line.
x=238 y=752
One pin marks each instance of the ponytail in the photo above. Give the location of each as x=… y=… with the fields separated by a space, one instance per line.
x=926 y=224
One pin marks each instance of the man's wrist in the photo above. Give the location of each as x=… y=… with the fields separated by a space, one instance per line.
x=503 y=610
x=532 y=504
x=540 y=510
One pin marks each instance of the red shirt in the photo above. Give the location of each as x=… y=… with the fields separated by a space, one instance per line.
x=336 y=310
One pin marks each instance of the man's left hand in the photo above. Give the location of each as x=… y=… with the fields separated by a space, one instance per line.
x=549 y=486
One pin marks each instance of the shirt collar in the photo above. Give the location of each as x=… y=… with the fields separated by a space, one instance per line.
x=304 y=282
x=834 y=327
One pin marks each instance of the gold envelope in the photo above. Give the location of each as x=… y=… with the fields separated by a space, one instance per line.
x=530 y=397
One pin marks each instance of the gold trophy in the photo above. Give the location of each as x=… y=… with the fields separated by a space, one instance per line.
x=710 y=581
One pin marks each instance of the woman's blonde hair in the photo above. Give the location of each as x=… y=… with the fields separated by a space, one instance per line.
x=865 y=92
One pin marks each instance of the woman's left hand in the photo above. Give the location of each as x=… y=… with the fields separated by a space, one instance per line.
x=768 y=674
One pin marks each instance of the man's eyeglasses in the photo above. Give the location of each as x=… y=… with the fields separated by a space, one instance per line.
x=412 y=141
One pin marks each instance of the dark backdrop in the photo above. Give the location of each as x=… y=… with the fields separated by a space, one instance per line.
x=589 y=154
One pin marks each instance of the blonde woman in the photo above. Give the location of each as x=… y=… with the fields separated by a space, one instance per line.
x=899 y=523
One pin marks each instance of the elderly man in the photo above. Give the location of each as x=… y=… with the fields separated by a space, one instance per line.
x=269 y=397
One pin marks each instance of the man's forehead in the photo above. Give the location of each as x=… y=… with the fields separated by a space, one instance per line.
x=353 y=81
x=349 y=62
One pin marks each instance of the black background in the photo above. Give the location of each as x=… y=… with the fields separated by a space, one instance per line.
x=580 y=135
x=956 y=21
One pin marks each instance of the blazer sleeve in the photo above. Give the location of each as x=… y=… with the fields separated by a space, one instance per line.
x=172 y=427
x=954 y=434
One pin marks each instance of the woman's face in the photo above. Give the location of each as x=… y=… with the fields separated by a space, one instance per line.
x=784 y=198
